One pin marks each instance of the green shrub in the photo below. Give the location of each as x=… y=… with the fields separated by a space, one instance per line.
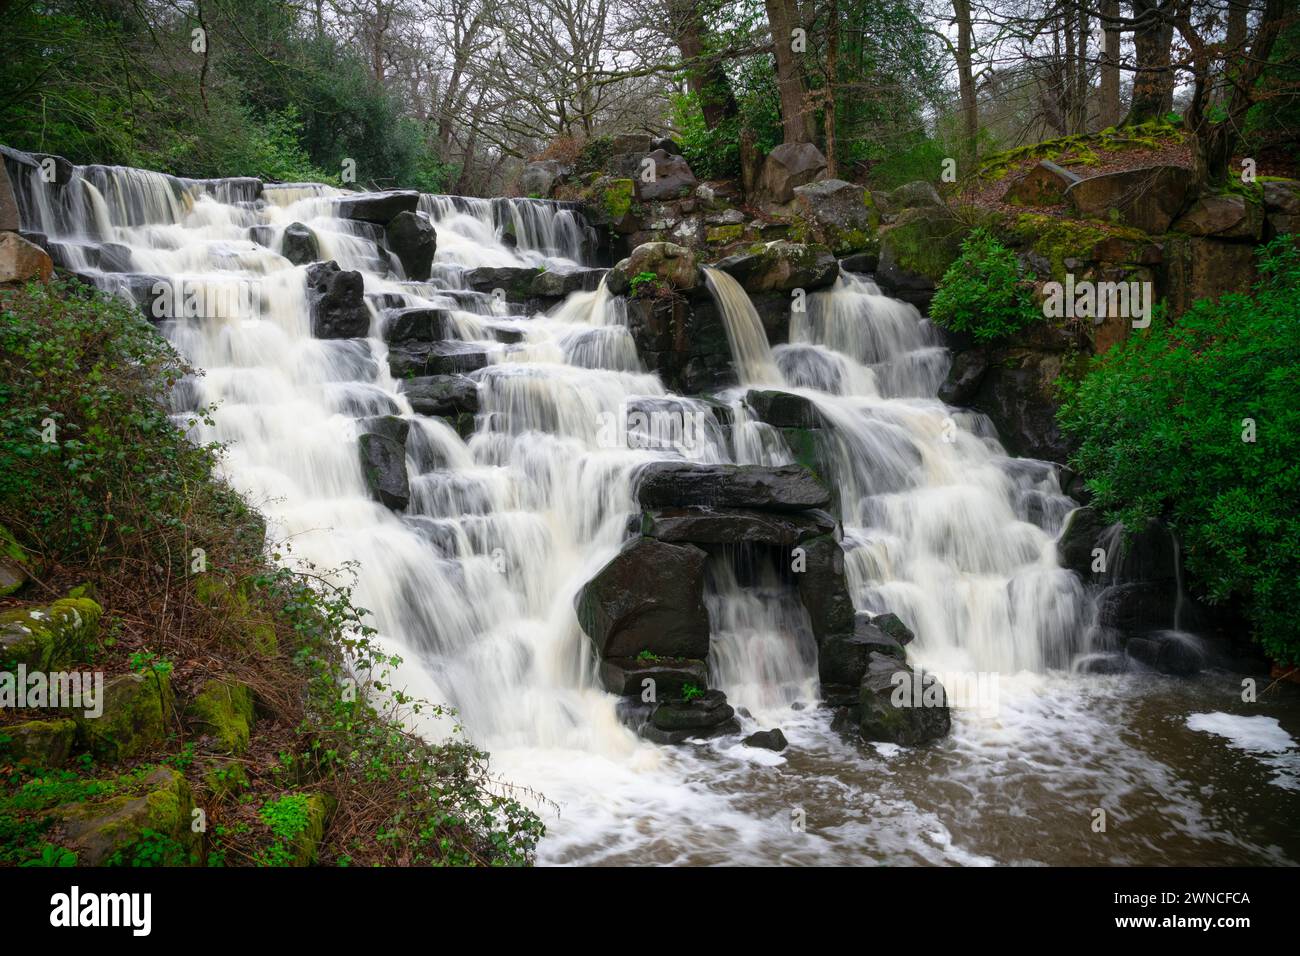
x=982 y=292
x=1161 y=418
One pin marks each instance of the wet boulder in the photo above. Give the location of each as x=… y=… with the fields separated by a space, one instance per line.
x=714 y=526
x=964 y=377
x=705 y=715
x=648 y=598
x=416 y=324
x=445 y=395
x=652 y=678
x=1080 y=536
x=337 y=301
x=515 y=281
x=411 y=237
x=783 y=409
x=667 y=484
x=767 y=740
x=818 y=566
x=383 y=463
x=901 y=706
x=378 y=208
x=298 y=244
x=417 y=359
x=556 y=283
x=1169 y=652
x=782 y=266
x=843 y=658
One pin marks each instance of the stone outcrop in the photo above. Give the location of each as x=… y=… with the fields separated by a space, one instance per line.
x=383 y=464
x=782 y=266
x=788 y=166
x=337 y=301
x=649 y=597
x=1045 y=184
x=666 y=261
x=1149 y=198
x=378 y=208
x=299 y=244
x=411 y=237
x=841 y=215
x=666 y=484
x=540 y=178
x=21 y=261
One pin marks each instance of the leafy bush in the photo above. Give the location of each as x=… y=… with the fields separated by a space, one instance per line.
x=711 y=153
x=982 y=292
x=1161 y=418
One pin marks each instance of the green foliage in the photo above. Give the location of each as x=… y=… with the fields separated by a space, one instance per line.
x=643 y=282
x=711 y=153
x=982 y=293
x=151 y=849
x=1161 y=418
x=89 y=373
x=690 y=692
x=649 y=656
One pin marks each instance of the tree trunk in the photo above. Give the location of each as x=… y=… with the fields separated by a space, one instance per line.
x=1153 y=81
x=1109 y=91
x=832 y=64
x=704 y=74
x=796 y=119
x=970 y=121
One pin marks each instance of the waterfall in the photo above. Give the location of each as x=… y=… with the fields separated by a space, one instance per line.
x=749 y=349
x=473 y=583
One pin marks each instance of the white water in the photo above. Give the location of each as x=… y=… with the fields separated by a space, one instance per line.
x=474 y=584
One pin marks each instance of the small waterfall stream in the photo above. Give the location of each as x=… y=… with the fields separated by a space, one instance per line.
x=473 y=584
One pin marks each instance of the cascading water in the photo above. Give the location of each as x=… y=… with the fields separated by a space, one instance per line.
x=474 y=582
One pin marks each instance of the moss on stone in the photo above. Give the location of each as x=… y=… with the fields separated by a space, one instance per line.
x=50 y=637
x=239 y=601
x=39 y=743
x=1057 y=240
x=16 y=565
x=724 y=233
x=223 y=710
x=924 y=242
x=149 y=824
x=136 y=708
x=226 y=778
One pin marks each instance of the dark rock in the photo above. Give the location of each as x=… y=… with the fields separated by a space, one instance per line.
x=1137 y=606
x=1017 y=393
x=893 y=626
x=411 y=237
x=669 y=484
x=389 y=426
x=965 y=376
x=649 y=597
x=416 y=324
x=1147 y=554
x=1081 y=533
x=898 y=705
x=712 y=526
x=299 y=244
x=559 y=282
x=783 y=409
x=840 y=213
x=413 y=360
x=1169 y=652
x=515 y=281
x=823 y=588
x=917 y=194
x=699 y=713
x=378 y=208
x=383 y=461
x=863 y=263
x=668 y=261
x=843 y=658
x=767 y=740
x=115 y=257
x=337 y=300
x=1148 y=198
x=917 y=249
x=627 y=675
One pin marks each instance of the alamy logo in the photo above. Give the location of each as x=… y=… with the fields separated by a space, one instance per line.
x=204 y=299
x=75 y=908
x=1098 y=300
x=661 y=429
x=71 y=690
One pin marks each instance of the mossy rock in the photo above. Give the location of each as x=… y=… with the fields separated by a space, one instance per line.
x=150 y=825
x=320 y=807
x=49 y=637
x=724 y=234
x=923 y=242
x=136 y=709
x=239 y=601
x=223 y=710
x=17 y=566
x=38 y=743
x=1059 y=241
